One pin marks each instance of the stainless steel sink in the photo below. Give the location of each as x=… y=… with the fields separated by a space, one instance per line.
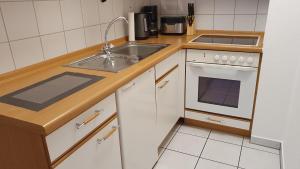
x=120 y=58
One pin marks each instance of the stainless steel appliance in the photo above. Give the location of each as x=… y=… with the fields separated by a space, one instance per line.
x=221 y=82
x=141 y=22
x=173 y=25
x=153 y=25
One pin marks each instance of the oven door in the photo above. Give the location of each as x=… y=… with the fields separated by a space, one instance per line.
x=221 y=89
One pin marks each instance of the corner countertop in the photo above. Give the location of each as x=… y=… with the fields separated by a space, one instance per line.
x=49 y=119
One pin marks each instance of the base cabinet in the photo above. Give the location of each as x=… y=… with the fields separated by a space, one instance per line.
x=102 y=151
x=167 y=104
x=137 y=112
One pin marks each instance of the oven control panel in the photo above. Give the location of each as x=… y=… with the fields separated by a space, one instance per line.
x=223 y=57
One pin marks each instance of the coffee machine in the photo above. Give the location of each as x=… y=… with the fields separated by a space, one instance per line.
x=153 y=19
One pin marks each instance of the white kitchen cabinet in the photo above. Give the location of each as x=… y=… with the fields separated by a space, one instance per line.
x=167 y=104
x=102 y=151
x=137 y=111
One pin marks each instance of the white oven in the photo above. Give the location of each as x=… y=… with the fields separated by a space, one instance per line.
x=221 y=82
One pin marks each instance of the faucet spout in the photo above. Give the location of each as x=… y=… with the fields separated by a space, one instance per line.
x=107 y=47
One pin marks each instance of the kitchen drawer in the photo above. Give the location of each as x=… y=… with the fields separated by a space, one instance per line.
x=166 y=65
x=66 y=136
x=220 y=120
x=195 y=55
x=100 y=151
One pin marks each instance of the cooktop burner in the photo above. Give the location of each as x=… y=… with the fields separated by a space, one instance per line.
x=232 y=40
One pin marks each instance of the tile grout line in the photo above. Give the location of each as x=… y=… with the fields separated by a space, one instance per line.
x=84 y=34
x=240 y=153
x=6 y=32
x=256 y=15
x=38 y=28
x=64 y=31
x=219 y=162
x=202 y=149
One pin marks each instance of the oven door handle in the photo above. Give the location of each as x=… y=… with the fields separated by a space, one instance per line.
x=226 y=67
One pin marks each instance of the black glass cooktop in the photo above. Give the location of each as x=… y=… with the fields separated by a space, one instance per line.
x=42 y=94
x=233 y=40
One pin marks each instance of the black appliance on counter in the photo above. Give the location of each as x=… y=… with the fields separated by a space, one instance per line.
x=153 y=19
x=173 y=25
x=141 y=25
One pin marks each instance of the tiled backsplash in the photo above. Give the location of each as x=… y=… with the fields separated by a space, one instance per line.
x=35 y=30
x=244 y=15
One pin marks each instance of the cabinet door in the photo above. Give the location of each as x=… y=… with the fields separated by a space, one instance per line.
x=102 y=151
x=137 y=110
x=167 y=104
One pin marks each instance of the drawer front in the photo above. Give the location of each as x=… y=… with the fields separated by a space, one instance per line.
x=102 y=151
x=66 y=136
x=166 y=65
x=225 y=121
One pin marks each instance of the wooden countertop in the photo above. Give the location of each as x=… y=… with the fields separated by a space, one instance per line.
x=49 y=119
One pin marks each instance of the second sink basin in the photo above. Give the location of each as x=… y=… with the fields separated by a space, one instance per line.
x=121 y=57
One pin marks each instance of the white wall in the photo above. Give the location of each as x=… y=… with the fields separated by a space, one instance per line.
x=278 y=110
x=244 y=15
x=35 y=30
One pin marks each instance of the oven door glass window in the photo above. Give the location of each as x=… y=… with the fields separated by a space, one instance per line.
x=221 y=92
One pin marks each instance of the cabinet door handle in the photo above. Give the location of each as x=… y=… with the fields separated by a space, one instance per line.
x=127 y=88
x=108 y=135
x=163 y=85
x=214 y=120
x=89 y=119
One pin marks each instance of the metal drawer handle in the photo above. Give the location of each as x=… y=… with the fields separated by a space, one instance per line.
x=89 y=119
x=163 y=85
x=214 y=120
x=127 y=88
x=108 y=135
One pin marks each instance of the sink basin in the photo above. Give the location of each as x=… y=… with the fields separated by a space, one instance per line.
x=121 y=57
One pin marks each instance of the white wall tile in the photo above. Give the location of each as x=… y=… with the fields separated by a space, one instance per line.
x=27 y=52
x=169 y=7
x=48 y=16
x=106 y=11
x=54 y=45
x=246 y=6
x=75 y=39
x=93 y=35
x=224 y=6
x=263 y=6
x=119 y=9
x=204 y=22
x=7 y=63
x=90 y=12
x=3 y=37
x=111 y=33
x=19 y=18
x=261 y=21
x=71 y=13
x=204 y=7
x=121 y=29
x=223 y=22
x=244 y=22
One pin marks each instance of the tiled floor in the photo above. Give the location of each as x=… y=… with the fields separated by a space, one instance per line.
x=198 y=148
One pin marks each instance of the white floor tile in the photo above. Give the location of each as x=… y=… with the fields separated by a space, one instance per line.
x=247 y=143
x=207 y=164
x=226 y=137
x=188 y=144
x=255 y=159
x=194 y=131
x=222 y=152
x=175 y=160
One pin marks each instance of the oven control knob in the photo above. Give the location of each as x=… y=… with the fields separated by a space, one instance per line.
x=224 y=58
x=250 y=60
x=241 y=59
x=217 y=57
x=232 y=59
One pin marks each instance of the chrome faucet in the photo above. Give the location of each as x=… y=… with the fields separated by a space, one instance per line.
x=107 y=48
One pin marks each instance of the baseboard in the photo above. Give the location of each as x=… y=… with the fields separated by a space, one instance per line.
x=266 y=142
x=272 y=144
